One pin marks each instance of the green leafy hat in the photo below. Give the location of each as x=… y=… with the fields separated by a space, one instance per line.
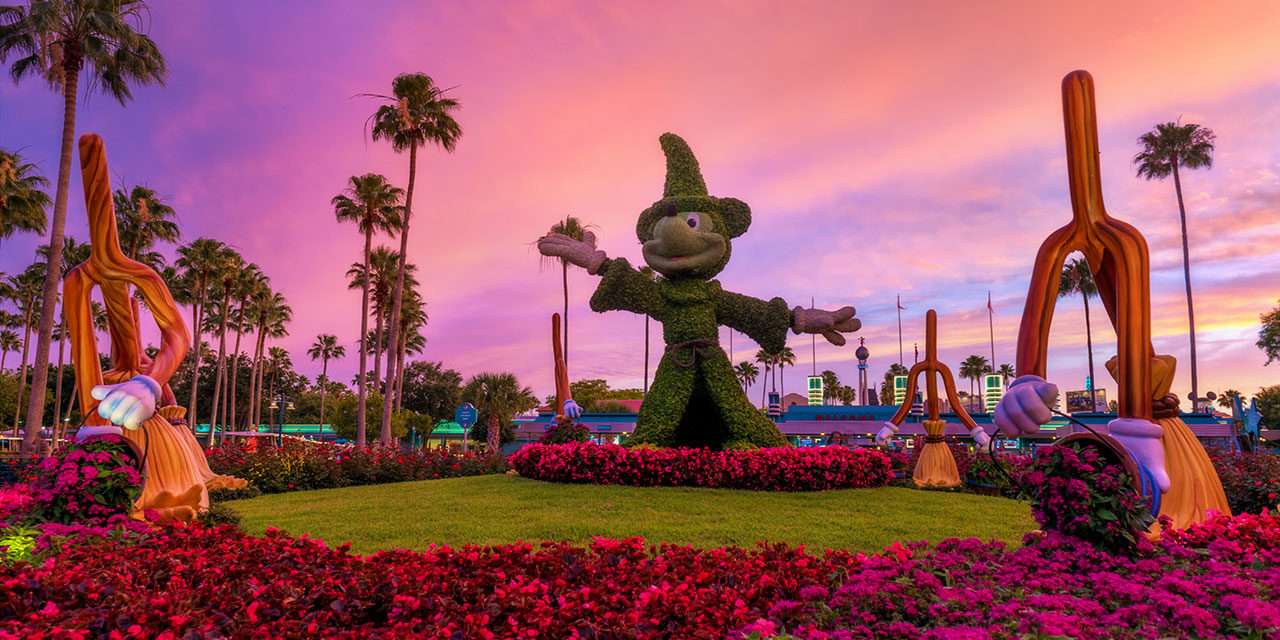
x=685 y=190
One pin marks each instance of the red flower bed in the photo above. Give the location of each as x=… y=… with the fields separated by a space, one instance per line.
x=301 y=466
x=1221 y=579
x=775 y=469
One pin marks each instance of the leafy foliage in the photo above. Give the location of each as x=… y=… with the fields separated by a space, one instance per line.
x=1269 y=334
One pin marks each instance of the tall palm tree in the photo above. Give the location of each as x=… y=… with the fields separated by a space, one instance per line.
x=413 y=317
x=250 y=284
x=383 y=265
x=22 y=198
x=573 y=228
x=270 y=315
x=766 y=359
x=498 y=397
x=277 y=362
x=785 y=358
x=1165 y=148
x=8 y=342
x=55 y=41
x=144 y=219
x=1077 y=277
x=1227 y=398
x=374 y=205
x=225 y=281
x=746 y=374
x=1006 y=372
x=73 y=254
x=973 y=368
x=649 y=273
x=27 y=287
x=324 y=349
x=201 y=262
x=418 y=113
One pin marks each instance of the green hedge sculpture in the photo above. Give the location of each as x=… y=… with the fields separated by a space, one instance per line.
x=695 y=399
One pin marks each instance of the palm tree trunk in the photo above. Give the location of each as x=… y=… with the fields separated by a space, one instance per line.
x=198 y=330
x=1186 y=273
x=764 y=404
x=397 y=298
x=377 y=347
x=57 y=385
x=1088 y=338
x=363 y=384
x=235 y=367
x=218 y=383
x=782 y=378
x=53 y=275
x=255 y=383
x=22 y=372
x=404 y=350
x=324 y=383
x=3 y=356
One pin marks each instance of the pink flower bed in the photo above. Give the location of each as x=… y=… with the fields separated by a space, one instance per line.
x=775 y=469
x=1221 y=579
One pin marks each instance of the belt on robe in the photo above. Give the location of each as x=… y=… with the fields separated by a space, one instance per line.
x=685 y=354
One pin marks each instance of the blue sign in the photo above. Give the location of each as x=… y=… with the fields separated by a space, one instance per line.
x=465 y=415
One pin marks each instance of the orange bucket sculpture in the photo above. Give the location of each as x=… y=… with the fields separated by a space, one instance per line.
x=176 y=474
x=1176 y=471
x=936 y=467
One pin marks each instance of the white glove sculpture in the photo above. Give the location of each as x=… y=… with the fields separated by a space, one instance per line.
x=1026 y=405
x=887 y=431
x=1143 y=440
x=572 y=410
x=980 y=437
x=829 y=323
x=129 y=403
x=582 y=253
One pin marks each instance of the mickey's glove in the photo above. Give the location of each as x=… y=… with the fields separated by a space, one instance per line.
x=1142 y=439
x=1025 y=406
x=572 y=410
x=129 y=403
x=980 y=437
x=889 y=430
x=582 y=253
x=829 y=323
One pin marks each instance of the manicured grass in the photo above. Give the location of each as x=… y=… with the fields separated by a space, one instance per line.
x=500 y=509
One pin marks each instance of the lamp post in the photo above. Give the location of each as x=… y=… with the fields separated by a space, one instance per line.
x=863 y=354
x=280 y=403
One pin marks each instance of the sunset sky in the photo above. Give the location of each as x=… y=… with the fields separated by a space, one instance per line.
x=911 y=149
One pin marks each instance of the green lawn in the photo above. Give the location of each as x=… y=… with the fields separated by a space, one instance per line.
x=497 y=509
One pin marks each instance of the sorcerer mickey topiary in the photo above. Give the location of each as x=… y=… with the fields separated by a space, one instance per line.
x=695 y=399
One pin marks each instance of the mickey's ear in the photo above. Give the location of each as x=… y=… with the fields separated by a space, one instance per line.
x=736 y=215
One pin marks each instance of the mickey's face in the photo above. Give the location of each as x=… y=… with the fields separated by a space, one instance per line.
x=687 y=244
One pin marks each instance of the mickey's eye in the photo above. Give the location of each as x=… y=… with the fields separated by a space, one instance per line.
x=693 y=220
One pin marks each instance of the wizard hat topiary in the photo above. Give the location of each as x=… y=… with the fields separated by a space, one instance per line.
x=685 y=190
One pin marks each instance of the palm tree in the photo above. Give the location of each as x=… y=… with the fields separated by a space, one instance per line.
x=270 y=315
x=56 y=41
x=747 y=374
x=277 y=362
x=573 y=228
x=1165 y=148
x=498 y=397
x=973 y=368
x=766 y=359
x=26 y=288
x=250 y=283
x=22 y=199
x=73 y=254
x=225 y=281
x=324 y=349
x=383 y=265
x=144 y=219
x=418 y=113
x=202 y=263
x=1077 y=277
x=374 y=205
x=8 y=342
x=649 y=273
x=785 y=358
x=1006 y=372
x=1226 y=400
x=413 y=317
